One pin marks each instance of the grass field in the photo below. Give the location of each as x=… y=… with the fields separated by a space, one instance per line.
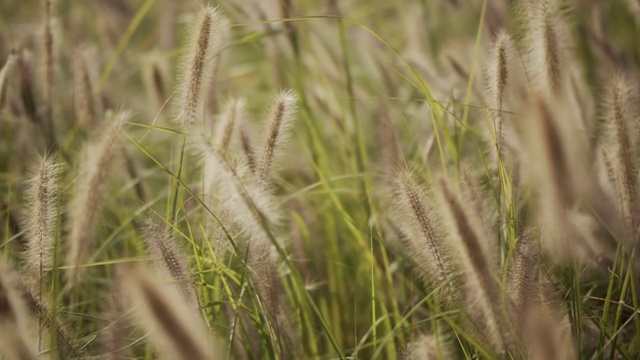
x=282 y=179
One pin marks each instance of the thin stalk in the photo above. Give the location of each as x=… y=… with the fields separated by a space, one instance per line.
x=608 y=299
x=621 y=303
x=176 y=189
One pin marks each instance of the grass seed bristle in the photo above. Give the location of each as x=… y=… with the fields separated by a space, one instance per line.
x=42 y=219
x=174 y=328
x=195 y=73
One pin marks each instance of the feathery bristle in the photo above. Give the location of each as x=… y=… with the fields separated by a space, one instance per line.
x=264 y=274
x=497 y=74
x=497 y=71
x=472 y=194
x=115 y=340
x=263 y=265
x=174 y=328
x=426 y=347
x=197 y=64
x=560 y=178
x=624 y=159
x=483 y=292
x=43 y=215
x=522 y=282
x=168 y=256
x=545 y=36
x=232 y=114
x=40 y=307
x=221 y=41
x=15 y=339
x=424 y=240
x=280 y=118
x=8 y=65
x=547 y=334
x=82 y=91
x=211 y=184
x=87 y=202
x=250 y=206
x=247 y=149
x=557 y=160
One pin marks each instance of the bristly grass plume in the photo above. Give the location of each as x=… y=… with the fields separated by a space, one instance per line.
x=42 y=218
x=93 y=179
x=334 y=180
x=197 y=65
x=173 y=327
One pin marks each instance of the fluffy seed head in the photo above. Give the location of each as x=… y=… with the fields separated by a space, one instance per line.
x=247 y=149
x=547 y=333
x=232 y=114
x=42 y=193
x=40 y=307
x=250 y=207
x=482 y=291
x=620 y=130
x=87 y=203
x=497 y=71
x=197 y=64
x=426 y=346
x=280 y=119
x=522 y=282
x=558 y=173
x=174 y=328
x=114 y=341
x=497 y=75
x=545 y=37
x=422 y=235
x=166 y=255
x=83 y=93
